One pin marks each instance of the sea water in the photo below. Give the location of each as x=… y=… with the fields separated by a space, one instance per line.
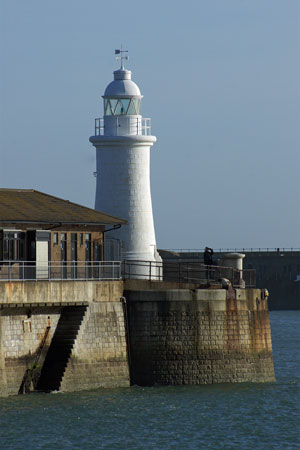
x=223 y=416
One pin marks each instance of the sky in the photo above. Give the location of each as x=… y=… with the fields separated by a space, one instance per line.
x=220 y=81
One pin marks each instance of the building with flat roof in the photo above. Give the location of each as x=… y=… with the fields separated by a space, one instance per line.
x=44 y=236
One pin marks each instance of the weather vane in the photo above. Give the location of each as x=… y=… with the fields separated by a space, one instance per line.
x=119 y=55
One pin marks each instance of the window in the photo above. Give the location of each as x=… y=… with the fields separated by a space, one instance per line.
x=81 y=238
x=122 y=106
x=137 y=105
x=13 y=245
x=97 y=251
x=55 y=238
x=88 y=248
x=63 y=246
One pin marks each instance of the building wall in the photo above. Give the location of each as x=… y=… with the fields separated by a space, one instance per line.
x=99 y=356
x=199 y=336
x=55 y=247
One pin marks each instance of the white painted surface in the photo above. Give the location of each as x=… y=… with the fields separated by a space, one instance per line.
x=123 y=176
x=234 y=260
x=122 y=125
x=42 y=259
x=122 y=85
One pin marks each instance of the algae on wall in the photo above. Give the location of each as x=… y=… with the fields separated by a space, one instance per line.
x=199 y=336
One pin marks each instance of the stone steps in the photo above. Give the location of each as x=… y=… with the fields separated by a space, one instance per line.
x=60 y=349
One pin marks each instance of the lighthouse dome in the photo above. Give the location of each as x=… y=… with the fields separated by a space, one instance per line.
x=122 y=86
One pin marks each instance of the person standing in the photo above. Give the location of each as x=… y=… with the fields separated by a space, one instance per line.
x=208 y=260
x=208 y=254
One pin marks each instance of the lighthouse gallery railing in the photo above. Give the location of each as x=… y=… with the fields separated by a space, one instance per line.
x=138 y=126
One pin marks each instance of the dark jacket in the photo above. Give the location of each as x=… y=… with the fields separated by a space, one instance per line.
x=208 y=254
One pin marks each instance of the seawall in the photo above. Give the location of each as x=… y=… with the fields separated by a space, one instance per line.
x=97 y=356
x=276 y=270
x=75 y=335
x=199 y=336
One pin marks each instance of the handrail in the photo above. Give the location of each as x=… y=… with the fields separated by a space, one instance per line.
x=138 y=126
x=238 y=250
x=187 y=272
x=59 y=270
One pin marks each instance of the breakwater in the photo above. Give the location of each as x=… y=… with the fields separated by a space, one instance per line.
x=277 y=270
x=75 y=335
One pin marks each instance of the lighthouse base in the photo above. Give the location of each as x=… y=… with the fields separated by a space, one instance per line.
x=143 y=266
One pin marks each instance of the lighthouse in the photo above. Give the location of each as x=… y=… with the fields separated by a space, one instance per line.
x=123 y=140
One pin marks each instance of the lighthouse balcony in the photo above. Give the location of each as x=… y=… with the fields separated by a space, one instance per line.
x=122 y=126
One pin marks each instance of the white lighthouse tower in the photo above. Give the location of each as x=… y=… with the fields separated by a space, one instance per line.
x=123 y=140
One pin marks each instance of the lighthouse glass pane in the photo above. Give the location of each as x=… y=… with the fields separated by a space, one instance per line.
x=120 y=110
x=131 y=109
x=113 y=103
x=122 y=106
x=107 y=108
x=125 y=102
x=137 y=105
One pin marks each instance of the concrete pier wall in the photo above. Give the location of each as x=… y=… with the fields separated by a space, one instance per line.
x=98 y=357
x=278 y=271
x=164 y=333
x=199 y=336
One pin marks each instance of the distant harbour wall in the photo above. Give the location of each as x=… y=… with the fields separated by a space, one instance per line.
x=277 y=270
x=75 y=335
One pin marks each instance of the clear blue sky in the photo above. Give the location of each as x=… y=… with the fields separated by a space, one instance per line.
x=220 y=81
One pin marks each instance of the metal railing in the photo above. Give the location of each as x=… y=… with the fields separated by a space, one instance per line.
x=180 y=272
x=236 y=250
x=58 y=271
x=138 y=126
x=191 y=272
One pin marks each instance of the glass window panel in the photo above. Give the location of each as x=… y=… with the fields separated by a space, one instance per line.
x=131 y=109
x=5 y=250
x=14 y=246
x=11 y=254
x=137 y=104
x=113 y=104
x=125 y=102
x=107 y=108
x=119 y=108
